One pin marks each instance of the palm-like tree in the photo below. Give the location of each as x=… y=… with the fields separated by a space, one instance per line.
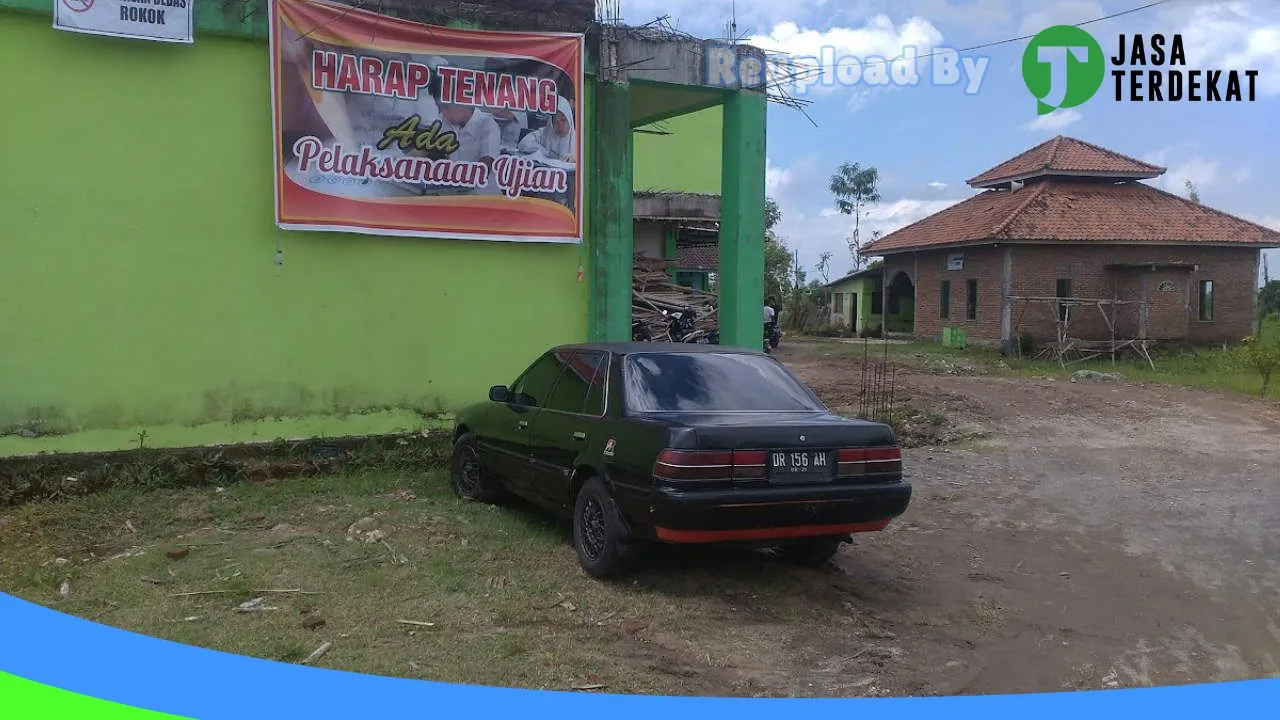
x=854 y=188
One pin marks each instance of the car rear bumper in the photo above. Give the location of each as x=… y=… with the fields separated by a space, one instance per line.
x=775 y=513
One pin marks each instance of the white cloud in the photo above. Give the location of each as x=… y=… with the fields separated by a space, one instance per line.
x=880 y=47
x=1184 y=164
x=775 y=178
x=1054 y=121
x=1068 y=12
x=811 y=225
x=1242 y=175
x=1236 y=35
x=1200 y=172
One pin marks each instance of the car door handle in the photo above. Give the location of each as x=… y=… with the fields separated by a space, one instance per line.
x=523 y=423
x=579 y=436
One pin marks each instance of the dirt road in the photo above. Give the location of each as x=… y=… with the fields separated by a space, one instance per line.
x=1102 y=535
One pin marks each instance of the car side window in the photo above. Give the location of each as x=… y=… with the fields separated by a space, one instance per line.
x=595 y=394
x=539 y=380
x=577 y=370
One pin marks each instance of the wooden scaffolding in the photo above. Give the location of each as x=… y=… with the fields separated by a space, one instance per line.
x=1068 y=349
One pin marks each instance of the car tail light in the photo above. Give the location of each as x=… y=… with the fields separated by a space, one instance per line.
x=709 y=464
x=873 y=460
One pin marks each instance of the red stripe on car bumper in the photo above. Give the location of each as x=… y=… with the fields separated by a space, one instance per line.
x=774 y=533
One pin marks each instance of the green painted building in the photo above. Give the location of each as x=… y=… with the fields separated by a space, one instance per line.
x=856 y=301
x=151 y=299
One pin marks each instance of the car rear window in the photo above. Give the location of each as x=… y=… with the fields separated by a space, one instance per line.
x=712 y=382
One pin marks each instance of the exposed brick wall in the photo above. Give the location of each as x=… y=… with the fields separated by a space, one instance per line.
x=1172 y=294
x=929 y=269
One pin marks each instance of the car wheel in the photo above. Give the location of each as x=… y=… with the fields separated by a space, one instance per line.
x=597 y=535
x=811 y=552
x=468 y=476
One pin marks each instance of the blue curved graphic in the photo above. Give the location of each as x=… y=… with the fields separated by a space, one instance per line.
x=61 y=651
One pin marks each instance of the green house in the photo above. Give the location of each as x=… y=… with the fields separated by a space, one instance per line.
x=856 y=301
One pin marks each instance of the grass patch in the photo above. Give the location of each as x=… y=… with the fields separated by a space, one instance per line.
x=510 y=605
x=1205 y=368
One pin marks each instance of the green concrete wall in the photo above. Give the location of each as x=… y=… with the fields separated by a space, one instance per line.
x=685 y=160
x=863 y=289
x=137 y=268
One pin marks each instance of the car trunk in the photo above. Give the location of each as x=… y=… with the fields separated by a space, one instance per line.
x=784 y=448
x=779 y=431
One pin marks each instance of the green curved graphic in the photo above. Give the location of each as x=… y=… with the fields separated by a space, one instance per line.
x=1078 y=68
x=22 y=699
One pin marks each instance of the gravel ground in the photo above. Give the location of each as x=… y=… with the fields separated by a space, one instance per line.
x=1099 y=534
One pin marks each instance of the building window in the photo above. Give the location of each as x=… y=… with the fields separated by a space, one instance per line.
x=1206 y=300
x=944 y=302
x=1063 y=292
x=877 y=303
x=839 y=303
x=971 y=311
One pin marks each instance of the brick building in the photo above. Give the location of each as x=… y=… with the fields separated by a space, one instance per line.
x=1066 y=246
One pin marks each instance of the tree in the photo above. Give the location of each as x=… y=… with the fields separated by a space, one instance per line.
x=1269 y=298
x=854 y=188
x=777 y=267
x=1261 y=357
x=772 y=215
x=824 y=266
x=1192 y=194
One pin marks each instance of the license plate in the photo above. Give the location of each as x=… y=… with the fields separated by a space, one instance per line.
x=800 y=464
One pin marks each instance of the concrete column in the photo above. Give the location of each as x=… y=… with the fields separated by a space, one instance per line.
x=612 y=241
x=741 y=268
x=1006 y=309
x=669 y=247
x=1257 y=309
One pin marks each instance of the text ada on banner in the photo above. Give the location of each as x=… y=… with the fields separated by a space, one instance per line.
x=389 y=127
x=159 y=20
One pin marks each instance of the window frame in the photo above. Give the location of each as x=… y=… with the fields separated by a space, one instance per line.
x=606 y=362
x=971 y=300
x=1201 y=297
x=515 y=392
x=1057 y=292
x=944 y=300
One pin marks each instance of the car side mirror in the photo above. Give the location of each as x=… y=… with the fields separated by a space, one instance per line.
x=499 y=393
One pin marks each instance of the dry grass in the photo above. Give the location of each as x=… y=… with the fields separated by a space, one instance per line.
x=501 y=587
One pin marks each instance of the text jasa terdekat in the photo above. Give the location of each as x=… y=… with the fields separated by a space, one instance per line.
x=408 y=80
x=1136 y=82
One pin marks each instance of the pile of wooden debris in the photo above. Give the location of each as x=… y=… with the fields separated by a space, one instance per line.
x=662 y=311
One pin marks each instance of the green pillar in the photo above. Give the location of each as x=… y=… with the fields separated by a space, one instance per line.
x=741 y=269
x=669 y=248
x=612 y=243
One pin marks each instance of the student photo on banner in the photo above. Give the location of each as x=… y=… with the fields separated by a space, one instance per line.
x=557 y=140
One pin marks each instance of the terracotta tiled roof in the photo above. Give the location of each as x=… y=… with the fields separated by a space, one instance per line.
x=1070 y=156
x=1076 y=211
x=697 y=257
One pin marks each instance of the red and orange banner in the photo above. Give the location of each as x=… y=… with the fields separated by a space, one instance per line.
x=389 y=127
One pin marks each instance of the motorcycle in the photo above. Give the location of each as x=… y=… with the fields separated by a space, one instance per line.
x=772 y=337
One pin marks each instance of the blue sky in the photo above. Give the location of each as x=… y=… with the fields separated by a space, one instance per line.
x=926 y=140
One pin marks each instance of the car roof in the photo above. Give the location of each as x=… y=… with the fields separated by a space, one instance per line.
x=631 y=348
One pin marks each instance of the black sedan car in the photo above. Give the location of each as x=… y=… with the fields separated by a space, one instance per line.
x=679 y=443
